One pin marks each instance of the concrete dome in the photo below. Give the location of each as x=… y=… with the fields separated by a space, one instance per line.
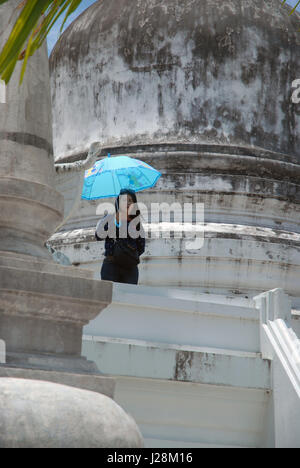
x=201 y=72
x=40 y=414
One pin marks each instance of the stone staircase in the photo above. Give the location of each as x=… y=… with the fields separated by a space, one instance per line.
x=189 y=366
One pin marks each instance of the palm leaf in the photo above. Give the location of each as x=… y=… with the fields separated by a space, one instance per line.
x=73 y=5
x=26 y=21
x=295 y=7
x=26 y=57
x=49 y=22
x=32 y=26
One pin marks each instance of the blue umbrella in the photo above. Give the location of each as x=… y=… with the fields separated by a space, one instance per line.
x=109 y=175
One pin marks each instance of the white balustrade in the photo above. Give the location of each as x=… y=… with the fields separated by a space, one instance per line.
x=280 y=344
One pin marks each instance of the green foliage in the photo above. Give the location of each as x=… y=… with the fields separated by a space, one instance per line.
x=298 y=3
x=34 y=22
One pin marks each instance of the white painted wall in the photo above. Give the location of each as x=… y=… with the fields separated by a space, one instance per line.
x=184 y=414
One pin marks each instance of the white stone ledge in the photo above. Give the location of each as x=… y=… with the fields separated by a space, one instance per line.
x=142 y=359
x=166 y=299
x=164 y=315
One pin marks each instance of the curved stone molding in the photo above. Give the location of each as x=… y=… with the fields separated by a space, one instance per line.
x=52 y=415
x=29 y=211
x=234 y=259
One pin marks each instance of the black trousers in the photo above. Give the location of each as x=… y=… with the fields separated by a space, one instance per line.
x=112 y=272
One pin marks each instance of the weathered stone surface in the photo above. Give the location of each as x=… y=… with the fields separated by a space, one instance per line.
x=40 y=414
x=30 y=206
x=42 y=313
x=96 y=383
x=43 y=306
x=178 y=71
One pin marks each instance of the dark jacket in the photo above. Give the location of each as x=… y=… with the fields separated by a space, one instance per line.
x=103 y=225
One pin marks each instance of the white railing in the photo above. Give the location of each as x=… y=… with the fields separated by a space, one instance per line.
x=279 y=343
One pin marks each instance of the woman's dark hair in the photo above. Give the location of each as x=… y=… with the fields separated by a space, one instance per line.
x=133 y=196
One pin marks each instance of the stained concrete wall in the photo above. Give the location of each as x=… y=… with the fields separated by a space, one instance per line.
x=192 y=71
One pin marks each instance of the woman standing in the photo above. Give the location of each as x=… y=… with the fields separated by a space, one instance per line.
x=121 y=253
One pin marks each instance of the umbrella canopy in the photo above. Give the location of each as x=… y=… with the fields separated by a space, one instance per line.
x=109 y=175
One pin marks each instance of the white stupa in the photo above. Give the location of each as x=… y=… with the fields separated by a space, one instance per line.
x=201 y=91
